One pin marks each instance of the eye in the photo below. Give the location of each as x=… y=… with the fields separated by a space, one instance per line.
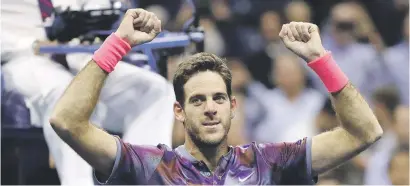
x=196 y=101
x=220 y=99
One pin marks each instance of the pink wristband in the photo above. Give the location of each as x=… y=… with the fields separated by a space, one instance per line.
x=111 y=52
x=329 y=72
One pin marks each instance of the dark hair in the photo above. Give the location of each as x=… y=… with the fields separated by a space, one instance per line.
x=200 y=62
x=388 y=96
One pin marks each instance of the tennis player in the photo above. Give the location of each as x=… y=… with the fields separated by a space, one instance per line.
x=205 y=106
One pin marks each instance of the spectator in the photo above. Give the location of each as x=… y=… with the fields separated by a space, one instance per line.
x=298 y=11
x=260 y=63
x=291 y=107
x=214 y=42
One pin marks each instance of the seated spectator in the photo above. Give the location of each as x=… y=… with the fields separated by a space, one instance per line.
x=291 y=108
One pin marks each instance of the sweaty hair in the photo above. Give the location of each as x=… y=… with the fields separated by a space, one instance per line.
x=200 y=62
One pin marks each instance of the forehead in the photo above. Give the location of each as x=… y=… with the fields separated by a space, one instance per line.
x=204 y=83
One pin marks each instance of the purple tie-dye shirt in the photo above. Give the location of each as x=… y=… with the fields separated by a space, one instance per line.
x=255 y=164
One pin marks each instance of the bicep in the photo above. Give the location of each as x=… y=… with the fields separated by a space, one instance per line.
x=332 y=148
x=94 y=145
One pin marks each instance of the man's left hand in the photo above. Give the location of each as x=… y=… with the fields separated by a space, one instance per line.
x=303 y=39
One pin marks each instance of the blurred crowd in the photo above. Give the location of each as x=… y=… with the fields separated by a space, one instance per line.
x=282 y=100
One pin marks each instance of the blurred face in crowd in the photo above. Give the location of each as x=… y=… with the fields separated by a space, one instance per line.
x=298 y=11
x=288 y=74
x=343 y=23
x=270 y=25
x=401 y=118
x=399 y=169
x=207 y=108
x=220 y=9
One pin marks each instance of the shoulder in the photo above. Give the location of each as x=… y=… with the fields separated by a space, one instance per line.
x=146 y=154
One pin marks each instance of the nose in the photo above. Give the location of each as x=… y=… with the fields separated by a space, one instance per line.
x=210 y=109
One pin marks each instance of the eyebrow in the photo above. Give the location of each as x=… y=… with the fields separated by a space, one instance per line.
x=196 y=96
x=221 y=94
x=201 y=95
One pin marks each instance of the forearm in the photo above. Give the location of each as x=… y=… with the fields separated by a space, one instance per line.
x=76 y=105
x=355 y=115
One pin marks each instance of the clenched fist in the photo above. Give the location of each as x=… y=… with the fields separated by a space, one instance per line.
x=139 y=26
x=303 y=39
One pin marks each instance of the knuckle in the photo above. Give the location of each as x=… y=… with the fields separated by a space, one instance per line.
x=140 y=10
x=129 y=11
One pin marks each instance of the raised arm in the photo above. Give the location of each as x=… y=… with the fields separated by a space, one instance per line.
x=359 y=127
x=71 y=115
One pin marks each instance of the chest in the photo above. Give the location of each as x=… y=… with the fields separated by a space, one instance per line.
x=234 y=173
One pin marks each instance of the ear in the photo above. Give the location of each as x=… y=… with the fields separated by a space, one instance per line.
x=233 y=106
x=179 y=112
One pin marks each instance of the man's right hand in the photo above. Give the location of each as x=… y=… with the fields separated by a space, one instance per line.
x=139 y=26
x=303 y=39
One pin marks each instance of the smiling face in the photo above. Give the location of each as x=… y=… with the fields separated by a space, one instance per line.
x=202 y=86
x=207 y=108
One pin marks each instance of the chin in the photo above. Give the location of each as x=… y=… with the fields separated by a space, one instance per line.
x=212 y=140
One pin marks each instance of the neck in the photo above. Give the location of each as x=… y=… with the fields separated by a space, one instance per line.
x=209 y=154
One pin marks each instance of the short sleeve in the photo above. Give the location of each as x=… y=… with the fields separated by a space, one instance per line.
x=134 y=164
x=292 y=160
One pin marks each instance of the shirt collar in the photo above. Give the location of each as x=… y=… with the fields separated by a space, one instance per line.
x=183 y=152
